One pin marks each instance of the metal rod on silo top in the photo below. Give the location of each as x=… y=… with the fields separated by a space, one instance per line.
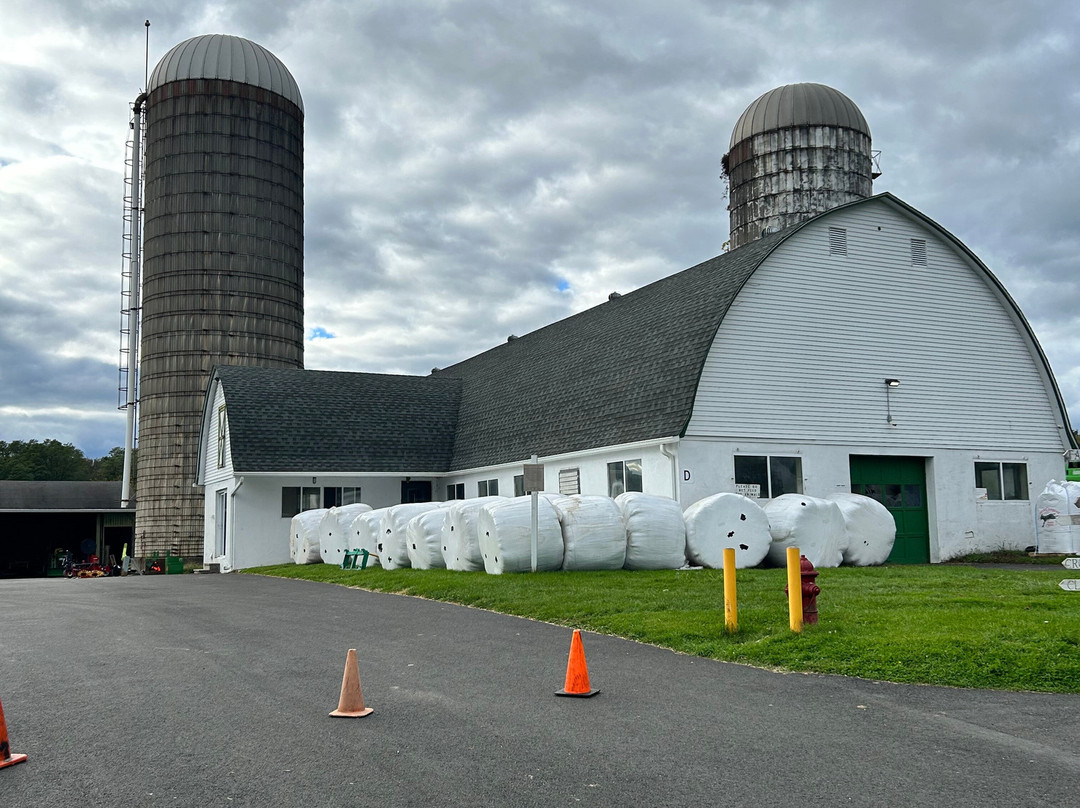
x=535 y=517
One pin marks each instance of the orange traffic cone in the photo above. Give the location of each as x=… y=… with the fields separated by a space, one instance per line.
x=6 y=758
x=577 y=674
x=351 y=703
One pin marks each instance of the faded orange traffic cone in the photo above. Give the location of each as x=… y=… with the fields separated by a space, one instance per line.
x=6 y=758
x=577 y=673
x=351 y=703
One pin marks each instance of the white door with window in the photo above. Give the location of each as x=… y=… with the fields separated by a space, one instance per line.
x=220 y=515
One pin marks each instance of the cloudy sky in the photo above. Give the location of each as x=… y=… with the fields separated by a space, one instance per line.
x=481 y=168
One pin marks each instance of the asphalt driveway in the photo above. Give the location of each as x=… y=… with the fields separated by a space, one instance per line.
x=213 y=690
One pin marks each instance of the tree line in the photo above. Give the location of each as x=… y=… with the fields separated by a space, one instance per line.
x=53 y=460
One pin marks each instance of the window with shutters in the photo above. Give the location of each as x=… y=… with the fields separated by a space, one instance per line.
x=837 y=241
x=918 y=252
x=569 y=481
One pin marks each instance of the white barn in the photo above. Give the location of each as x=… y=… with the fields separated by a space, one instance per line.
x=865 y=349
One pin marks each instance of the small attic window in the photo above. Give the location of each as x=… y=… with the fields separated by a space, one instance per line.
x=837 y=241
x=918 y=252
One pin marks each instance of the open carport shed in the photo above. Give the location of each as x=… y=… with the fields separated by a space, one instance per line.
x=37 y=518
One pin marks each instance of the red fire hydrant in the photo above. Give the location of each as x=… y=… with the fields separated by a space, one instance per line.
x=810 y=590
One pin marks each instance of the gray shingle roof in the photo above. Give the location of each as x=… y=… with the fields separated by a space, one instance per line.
x=624 y=371
x=311 y=420
x=33 y=495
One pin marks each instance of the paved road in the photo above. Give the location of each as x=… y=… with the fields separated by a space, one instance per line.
x=214 y=691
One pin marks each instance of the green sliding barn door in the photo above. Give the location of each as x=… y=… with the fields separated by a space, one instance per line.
x=898 y=483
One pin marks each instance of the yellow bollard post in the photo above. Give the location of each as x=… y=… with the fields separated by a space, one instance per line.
x=731 y=605
x=794 y=587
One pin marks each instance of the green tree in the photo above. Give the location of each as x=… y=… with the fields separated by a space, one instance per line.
x=111 y=466
x=42 y=460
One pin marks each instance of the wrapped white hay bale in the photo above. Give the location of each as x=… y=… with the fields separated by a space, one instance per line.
x=594 y=536
x=423 y=540
x=726 y=520
x=871 y=529
x=365 y=533
x=460 y=538
x=393 y=552
x=815 y=526
x=655 y=531
x=334 y=537
x=304 y=536
x=1058 y=511
x=505 y=532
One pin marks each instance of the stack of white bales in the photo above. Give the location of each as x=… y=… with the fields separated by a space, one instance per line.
x=460 y=537
x=393 y=546
x=364 y=533
x=655 y=531
x=1058 y=509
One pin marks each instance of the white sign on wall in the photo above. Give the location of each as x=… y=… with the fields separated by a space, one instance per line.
x=751 y=490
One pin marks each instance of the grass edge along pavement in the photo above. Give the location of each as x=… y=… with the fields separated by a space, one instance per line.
x=948 y=625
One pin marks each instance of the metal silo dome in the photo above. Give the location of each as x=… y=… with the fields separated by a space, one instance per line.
x=796 y=151
x=220 y=56
x=223 y=257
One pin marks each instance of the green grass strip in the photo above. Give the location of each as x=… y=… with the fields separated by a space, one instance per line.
x=943 y=624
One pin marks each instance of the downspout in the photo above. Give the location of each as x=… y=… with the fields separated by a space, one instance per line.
x=674 y=457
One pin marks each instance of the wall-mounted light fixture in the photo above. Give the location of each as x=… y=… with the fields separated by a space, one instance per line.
x=889 y=385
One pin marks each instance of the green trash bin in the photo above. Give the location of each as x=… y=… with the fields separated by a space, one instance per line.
x=174 y=565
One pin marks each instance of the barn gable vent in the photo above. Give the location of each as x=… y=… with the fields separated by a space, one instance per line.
x=837 y=241
x=918 y=252
x=569 y=481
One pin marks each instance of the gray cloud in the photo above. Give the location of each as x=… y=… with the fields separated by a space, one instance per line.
x=482 y=168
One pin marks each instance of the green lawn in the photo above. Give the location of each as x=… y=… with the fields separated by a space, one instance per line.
x=943 y=624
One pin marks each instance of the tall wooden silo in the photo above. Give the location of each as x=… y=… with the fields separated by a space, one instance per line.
x=796 y=151
x=223 y=259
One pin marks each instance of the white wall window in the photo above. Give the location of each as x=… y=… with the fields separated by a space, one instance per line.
x=487 y=488
x=624 y=475
x=519 y=485
x=295 y=499
x=569 y=481
x=221 y=437
x=1002 y=480
x=455 y=491
x=350 y=495
x=766 y=476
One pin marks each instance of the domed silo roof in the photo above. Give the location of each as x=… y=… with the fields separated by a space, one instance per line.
x=799 y=105
x=233 y=58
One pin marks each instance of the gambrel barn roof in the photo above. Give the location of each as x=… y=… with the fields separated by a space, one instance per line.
x=624 y=371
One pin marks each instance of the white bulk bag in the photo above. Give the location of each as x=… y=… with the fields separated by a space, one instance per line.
x=365 y=533
x=334 y=527
x=726 y=520
x=815 y=526
x=655 y=531
x=505 y=532
x=393 y=552
x=304 y=536
x=871 y=529
x=423 y=540
x=460 y=542
x=594 y=536
x=1058 y=511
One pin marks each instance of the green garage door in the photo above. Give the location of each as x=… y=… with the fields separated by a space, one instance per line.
x=898 y=483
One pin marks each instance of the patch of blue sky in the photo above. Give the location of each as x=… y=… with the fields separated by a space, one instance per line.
x=320 y=333
x=563 y=285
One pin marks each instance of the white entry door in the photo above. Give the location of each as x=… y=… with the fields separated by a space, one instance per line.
x=219 y=522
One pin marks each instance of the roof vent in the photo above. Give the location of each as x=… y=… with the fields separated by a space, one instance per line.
x=511 y=338
x=613 y=295
x=435 y=370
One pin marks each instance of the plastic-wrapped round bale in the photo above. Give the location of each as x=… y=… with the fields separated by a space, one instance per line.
x=393 y=550
x=505 y=531
x=655 y=531
x=334 y=537
x=423 y=540
x=1058 y=511
x=871 y=529
x=815 y=526
x=460 y=541
x=365 y=533
x=594 y=536
x=726 y=520
x=304 y=536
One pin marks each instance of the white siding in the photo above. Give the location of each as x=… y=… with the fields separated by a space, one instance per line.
x=803 y=352
x=211 y=473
